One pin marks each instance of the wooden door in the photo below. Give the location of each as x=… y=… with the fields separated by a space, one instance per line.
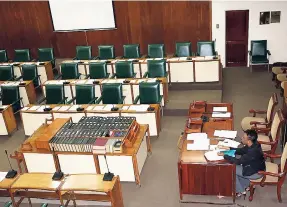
x=236 y=38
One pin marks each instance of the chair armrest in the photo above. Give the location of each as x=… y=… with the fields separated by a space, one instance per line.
x=134 y=75
x=63 y=101
x=59 y=76
x=113 y=76
x=257 y=112
x=88 y=76
x=145 y=75
x=93 y=100
x=99 y=100
x=144 y=56
x=122 y=99
x=269 y=173
x=108 y=75
x=75 y=58
x=261 y=130
x=72 y=100
x=166 y=74
x=268 y=143
x=79 y=75
x=120 y=57
x=272 y=155
x=41 y=100
x=136 y=100
x=258 y=123
x=96 y=58
x=16 y=101
x=16 y=79
x=249 y=52
x=268 y=52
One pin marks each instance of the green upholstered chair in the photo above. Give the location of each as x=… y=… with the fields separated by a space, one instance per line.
x=30 y=72
x=22 y=55
x=131 y=51
x=44 y=205
x=183 y=49
x=156 y=51
x=46 y=54
x=3 y=56
x=259 y=55
x=106 y=52
x=124 y=69
x=11 y=95
x=6 y=73
x=83 y=53
x=156 y=69
x=55 y=94
x=149 y=93
x=70 y=71
x=112 y=93
x=98 y=70
x=8 y=204
x=85 y=94
x=206 y=48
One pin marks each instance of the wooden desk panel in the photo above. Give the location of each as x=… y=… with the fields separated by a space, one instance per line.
x=7 y=120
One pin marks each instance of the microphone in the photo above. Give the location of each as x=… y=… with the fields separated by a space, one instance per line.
x=108 y=176
x=114 y=108
x=11 y=173
x=58 y=175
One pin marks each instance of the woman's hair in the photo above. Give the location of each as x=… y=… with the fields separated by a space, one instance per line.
x=252 y=135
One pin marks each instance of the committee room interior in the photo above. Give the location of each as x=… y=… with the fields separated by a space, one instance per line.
x=128 y=103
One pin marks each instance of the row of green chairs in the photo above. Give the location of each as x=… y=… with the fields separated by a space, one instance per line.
x=112 y=93
x=123 y=69
x=182 y=49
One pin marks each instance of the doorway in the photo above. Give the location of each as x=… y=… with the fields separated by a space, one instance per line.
x=236 y=51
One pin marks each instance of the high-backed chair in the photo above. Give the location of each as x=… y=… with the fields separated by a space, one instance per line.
x=30 y=72
x=106 y=52
x=46 y=54
x=261 y=122
x=112 y=93
x=149 y=93
x=183 y=49
x=98 y=70
x=8 y=204
x=278 y=68
x=124 y=69
x=259 y=55
x=11 y=95
x=156 y=69
x=3 y=56
x=22 y=55
x=273 y=175
x=206 y=48
x=83 y=53
x=70 y=71
x=131 y=51
x=55 y=94
x=6 y=73
x=269 y=137
x=156 y=51
x=85 y=94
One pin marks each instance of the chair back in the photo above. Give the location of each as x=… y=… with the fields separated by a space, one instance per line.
x=22 y=55
x=83 y=52
x=132 y=51
x=183 y=49
x=149 y=92
x=124 y=69
x=205 y=48
x=98 y=70
x=69 y=71
x=112 y=93
x=106 y=52
x=46 y=54
x=156 y=51
x=273 y=101
x=283 y=162
x=30 y=72
x=259 y=48
x=10 y=95
x=84 y=93
x=276 y=125
x=55 y=93
x=156 y=68
x=3 y=56
x=6 y=72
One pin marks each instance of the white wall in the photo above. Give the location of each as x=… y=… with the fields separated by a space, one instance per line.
x=274 y=33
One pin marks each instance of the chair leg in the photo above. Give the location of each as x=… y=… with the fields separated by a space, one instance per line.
x=281 y=92
x=251 y=192
x=279 y=193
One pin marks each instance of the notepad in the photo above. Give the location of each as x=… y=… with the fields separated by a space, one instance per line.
x=229 y=143
x=213 y=156
x=223 y=109
x=221 y=115
x=195 y=136
x=225 y=133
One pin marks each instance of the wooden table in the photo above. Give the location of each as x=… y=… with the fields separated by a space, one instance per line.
x=7 y=120
x=196 y=175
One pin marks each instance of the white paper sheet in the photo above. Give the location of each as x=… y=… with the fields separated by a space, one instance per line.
x=131 y=59
x=229 y=143
x=74 y=107
x=198 y=58
x=221 y=115
x=142 y=107
x=98 y=108
x=56 y=108
x=25 y=108
x=2 y=175
x=64 y=108
x=125 y=108
x=172 y=59
x=41 y=108
x=202 y=144
x=151 y=80
x=225 y=133
x=183 y=58
x=108 y=107
x=223 y=109
x=89 y=108
x=212 y=155
x=195 y=136
x=158 y=58
x=33 y=108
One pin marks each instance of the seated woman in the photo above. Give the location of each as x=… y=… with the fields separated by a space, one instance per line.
x=251 y=161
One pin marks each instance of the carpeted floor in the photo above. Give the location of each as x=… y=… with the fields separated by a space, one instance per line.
x=159 y=182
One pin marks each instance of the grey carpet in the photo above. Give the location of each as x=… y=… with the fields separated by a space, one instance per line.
x=159 y=184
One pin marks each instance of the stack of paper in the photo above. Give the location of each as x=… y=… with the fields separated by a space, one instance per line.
x=200 y=141
x=225 y=133
x=212 y=155
x=142 y=107
x=195 y=136
x=229 y=143
x=221 y=115
x=222 y=109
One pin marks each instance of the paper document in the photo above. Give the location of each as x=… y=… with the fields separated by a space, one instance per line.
x=142 y=107
x=195 y=136
x=149 y=59
x=158 y=59
x=212 y=155
x=90 y=81
x=133 y=81
x=89 y=108
x=208 y=57
x=131 y=59
x=198 y=58
x=229 y=143
x=64 y=108
x=24 y=109
x=183 y=58
x=221 y=115
x=223 y=109
x=98 y=108
x=212 y=147
x=151 y=80
x=108 y=107
x=74 y=107
x=102 y=60
x=2 y=175
x=172 y=59
x=33 y=108
x=56 y=108
x=202 y=144
x=41 y=108
x=81 y=81
x=225 y=133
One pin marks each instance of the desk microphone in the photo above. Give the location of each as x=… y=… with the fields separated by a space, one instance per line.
x=11 y=173
x=58 y=175
x=108 y=176
x=114 y=108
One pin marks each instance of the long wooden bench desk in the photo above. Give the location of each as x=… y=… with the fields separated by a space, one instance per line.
x=26 y=90
x=128 y=164
x=33 y=116
x=182 y=70
x=7 y=120
x=196 y=174
x=44 y=69
x=130 y=87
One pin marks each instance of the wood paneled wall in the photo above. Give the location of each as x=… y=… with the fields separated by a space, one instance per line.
x=28 y=25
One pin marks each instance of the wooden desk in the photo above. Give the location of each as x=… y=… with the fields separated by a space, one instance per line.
x=33 y=116
x=5 y=186
x=7 y=120
x=91 y=187
x=198 y=176
x=27 y=91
